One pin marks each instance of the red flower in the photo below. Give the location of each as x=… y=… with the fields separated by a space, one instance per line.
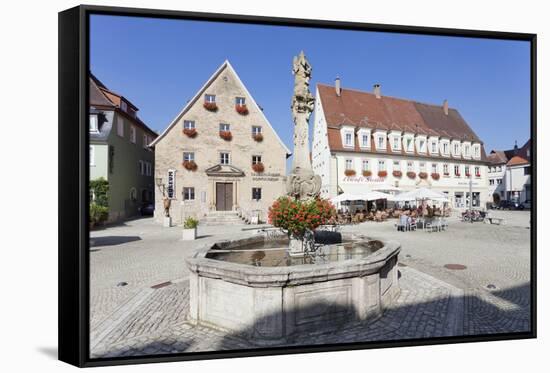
x=367 y=173
x=397 y=173
x=210 y=106
x=241 y=109
x=258 y=137
x=258 y=167
x=349 y=172
x=226 y=135
x=435 y=176
x=190 y=132
x=411 y=174
x=423 y=175
x=382 y=173
x=189 y=165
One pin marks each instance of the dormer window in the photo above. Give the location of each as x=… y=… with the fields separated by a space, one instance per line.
x=348 y=138
x=467 y=150
x=434 y=147
x=409 y=144
x=395 y=143
x=456 y=148
x=380 y=142
x=421 y=146
x=94 y=127
x=445 y=148
x=365 y=140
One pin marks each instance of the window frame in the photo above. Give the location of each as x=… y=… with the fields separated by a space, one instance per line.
x=94 y=119
x=258 y=190
x=192 y=158
x=254 y=132
x=208 y=96
x=257 y=160
x=243 y=103
x=225 y=125
x=120 y=127
x=186 y=122
x=221 y=158
x=190 y=191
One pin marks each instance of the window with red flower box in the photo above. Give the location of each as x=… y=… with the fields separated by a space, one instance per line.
x=397 y=173
x=435 y=176
x=382 y=173
x=367 y=173
x=411 y=174
x=423 y=175
x=349 y=172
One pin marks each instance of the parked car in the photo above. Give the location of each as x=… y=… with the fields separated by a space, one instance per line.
x=510 y=205
x=147 y=209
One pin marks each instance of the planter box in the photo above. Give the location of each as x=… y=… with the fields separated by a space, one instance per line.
x=189 y=234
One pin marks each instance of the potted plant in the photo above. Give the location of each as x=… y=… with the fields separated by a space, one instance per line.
x=226 y=135
x=423 y=175
x=190 y=229
x=411 y=174
x=241 y=109
x=258 y=137
x=435 y=176
x=349 y=172
x=98 y=214
x=382 y=173
x=190 y=132
x=397 y=173
x=210 y=106
x=258 y=167
x=367 y=173
x=189 y=165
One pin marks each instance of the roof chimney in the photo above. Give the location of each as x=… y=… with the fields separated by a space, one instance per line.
x=337 y=87
x=446 y=107
x=376 y=90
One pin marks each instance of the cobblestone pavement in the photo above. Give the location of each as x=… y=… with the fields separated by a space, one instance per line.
x=491 y=295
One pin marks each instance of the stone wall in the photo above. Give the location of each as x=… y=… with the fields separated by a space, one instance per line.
x=208 y=144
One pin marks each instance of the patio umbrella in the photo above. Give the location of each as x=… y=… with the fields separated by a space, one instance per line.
x=386 y=188
x=346 y=197
x=422 y=194
x=374 y=195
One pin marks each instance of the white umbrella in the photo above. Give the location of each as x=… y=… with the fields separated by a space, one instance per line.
x=374 y=195
x=346 y=197
x=421 y=193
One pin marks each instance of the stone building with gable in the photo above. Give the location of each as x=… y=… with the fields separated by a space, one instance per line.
x=365 y=141
x=220 y=160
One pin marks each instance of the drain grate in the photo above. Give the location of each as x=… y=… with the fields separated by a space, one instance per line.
x=455 y=266
x=122 y=283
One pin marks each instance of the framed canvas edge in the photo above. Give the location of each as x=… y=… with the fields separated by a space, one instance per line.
x=73 y=271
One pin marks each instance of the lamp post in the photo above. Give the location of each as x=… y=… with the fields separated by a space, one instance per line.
x=471 y=199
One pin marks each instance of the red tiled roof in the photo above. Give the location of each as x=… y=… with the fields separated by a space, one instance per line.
x=100 y=96
x=363 y=109
x=516 y=161
x=497 y=157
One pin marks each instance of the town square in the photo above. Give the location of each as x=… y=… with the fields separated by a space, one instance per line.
x=344 y=215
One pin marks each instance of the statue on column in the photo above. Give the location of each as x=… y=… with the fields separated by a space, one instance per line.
x=302 y=183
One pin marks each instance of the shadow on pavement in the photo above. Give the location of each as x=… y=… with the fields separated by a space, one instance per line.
x=112 y=240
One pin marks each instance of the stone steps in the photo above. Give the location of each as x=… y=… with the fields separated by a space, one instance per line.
x=222 y=218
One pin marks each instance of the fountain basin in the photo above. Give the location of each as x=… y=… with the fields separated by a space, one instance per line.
x=268 y=302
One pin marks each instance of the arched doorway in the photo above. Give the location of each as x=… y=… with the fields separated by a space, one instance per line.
x=496 y=198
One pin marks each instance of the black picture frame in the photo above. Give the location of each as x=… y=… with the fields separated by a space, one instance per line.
x=73 y=249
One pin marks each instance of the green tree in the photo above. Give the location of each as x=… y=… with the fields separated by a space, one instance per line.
x=100 y=189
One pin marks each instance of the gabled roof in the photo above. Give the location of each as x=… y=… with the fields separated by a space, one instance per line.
x=103 y=98
x=497 y=157
x=199 y=94
x=364 y=109
x=512 y=157
x=517 y=161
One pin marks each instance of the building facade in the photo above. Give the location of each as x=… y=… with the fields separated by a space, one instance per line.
x=220 y=154
x=119 y=151
x=365 y=141
x=511 y=170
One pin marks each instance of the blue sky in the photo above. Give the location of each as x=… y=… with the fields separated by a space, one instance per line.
x=159 y=65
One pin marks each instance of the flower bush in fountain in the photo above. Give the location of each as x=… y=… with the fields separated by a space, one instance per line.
x=296 y=217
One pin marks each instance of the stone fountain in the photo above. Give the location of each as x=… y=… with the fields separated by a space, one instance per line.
x=268 y=288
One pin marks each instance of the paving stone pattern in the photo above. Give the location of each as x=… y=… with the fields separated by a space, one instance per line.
x=434 y=301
